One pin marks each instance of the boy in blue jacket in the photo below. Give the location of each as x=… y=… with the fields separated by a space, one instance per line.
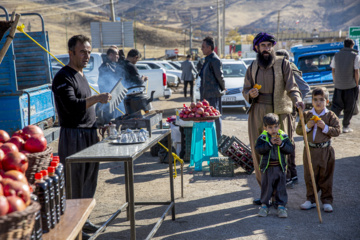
x=273 y=145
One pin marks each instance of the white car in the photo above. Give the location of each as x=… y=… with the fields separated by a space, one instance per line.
x=164 y=65
x=248 y=61
x=157 y=79
x=234 y=74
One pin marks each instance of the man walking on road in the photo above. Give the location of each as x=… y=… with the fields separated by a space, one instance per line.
x=278 y=92
x=75 y=108
x=188 y=75
x=345 y=72
x=212 y=84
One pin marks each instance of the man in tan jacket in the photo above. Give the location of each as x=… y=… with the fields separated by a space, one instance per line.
x=278 y=92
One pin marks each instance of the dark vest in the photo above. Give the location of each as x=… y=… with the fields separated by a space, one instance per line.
x=344 y=69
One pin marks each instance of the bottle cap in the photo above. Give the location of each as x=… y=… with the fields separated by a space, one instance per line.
x=54 y=163
x=51 y=169
x=44 y=173
x=51 y=155
x=38 y=176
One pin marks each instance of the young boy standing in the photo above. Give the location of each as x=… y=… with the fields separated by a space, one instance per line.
x=273 y=145
x=321 y=125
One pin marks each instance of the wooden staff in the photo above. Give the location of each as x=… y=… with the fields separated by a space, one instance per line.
x=309 y=162
x=10 y=36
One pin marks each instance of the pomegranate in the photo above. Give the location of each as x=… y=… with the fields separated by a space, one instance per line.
x=18 y=133
x=4 y=136
x=181 y=115
x=191 y=115
x=199 y=104
x=205 y=103
x=185 y=116
x=4 y=205
x=18 y=141
x=9 y=147
x=212 y=114
x=15 y=204
x=15 y=175
x=194 y=109
x=1 y=190
x=2 y=155
x=187 y=110
x=192 y=105
x=200 y=111
x=32 y=130
x=206 y=114
x=197 y=115
x=1 y=144
x=15 y=161
x=35 y=144
x=17 y=188
x=25 y=152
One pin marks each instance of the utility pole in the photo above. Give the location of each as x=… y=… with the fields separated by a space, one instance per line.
x=112 y=10
x=190 y=32
x=278 y=25
x=223 y=36
x=135 y=27
x=218 y=29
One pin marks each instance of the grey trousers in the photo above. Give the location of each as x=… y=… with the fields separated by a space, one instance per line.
x=83 y=175
x=216 y=103
x=273 y=180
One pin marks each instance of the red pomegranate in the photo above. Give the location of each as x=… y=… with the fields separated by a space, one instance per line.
x=32 y=130
x=4 y=136
x=192 y=105
x=18 y=133
x=16 y=176
x=199 y=104
x=197 y=115
x=185 y=116
x=191 y=115
x=206 y=114
x=194 y=109
x=15 y=161
x=18 y=141
x=17 y=188
x=4 y=205
x=9 y=147
x=200 y=111
x=205 y=103
x=15 y=204
x=35 y=144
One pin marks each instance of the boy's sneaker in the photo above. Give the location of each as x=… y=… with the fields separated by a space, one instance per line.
x=307 y=205
x=328 y=207
x=347 y=130
x=281 y=212
x=264 y=211
x=289 y=183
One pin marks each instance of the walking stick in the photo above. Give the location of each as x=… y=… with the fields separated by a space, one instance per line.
x=309 y=162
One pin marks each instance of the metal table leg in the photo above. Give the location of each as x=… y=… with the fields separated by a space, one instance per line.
x=171 y=176
x=126 y=169
x=68 y=180
x=131 y=200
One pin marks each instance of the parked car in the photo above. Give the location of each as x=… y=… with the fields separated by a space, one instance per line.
x=175 y=64
x=248 y=61
x=234 y=74
x=157 y=79
x=159 y=65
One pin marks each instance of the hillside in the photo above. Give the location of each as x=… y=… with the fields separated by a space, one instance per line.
x=161 y=24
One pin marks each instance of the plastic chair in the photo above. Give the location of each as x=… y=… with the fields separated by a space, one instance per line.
x=198 y=155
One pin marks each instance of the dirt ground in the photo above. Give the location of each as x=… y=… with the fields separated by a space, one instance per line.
x=221 y=207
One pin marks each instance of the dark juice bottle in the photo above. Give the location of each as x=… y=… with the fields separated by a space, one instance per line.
x=43 y=194
x=59 y=170
x=51 y=196
x=37 y=231
x=56 y=180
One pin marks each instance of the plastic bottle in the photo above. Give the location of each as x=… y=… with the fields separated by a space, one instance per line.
x=52 y=197
x=36 y=234
x=56 y=182
x=43 y=194
x=59 y=170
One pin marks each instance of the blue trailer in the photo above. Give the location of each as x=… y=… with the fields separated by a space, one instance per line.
x=25 y=83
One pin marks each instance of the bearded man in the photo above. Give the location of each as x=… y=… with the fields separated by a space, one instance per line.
x=277 y=94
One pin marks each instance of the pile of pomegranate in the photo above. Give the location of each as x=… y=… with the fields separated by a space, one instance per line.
x=199 y=110
x=14 y=187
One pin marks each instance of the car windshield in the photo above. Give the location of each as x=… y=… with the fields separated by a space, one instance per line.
x=141 y=67
x=234 y=70
x=167 y=66
x=65 y=60
x=248 y=61
x=315 y=63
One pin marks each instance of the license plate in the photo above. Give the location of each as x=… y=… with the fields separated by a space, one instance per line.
x=229 y=99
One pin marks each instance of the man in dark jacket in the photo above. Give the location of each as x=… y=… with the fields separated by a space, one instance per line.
x=133 y=77
x=345 y=72
x=212 y=84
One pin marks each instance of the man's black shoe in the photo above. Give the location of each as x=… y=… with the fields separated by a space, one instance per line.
x=89 y=227
x=85 y=236
x=257 y=201
x=295 y=180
